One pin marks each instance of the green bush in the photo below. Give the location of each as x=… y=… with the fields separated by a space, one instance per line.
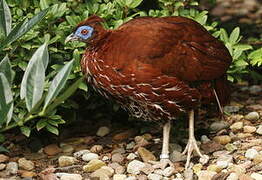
x=27 y=46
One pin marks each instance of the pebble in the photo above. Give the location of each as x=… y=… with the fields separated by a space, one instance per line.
x=103 y=131
x=224 y=160
x=67 y=148
x=119 y=150
x=245 y=177
x=230 y=147
x=3 y=158
x=205 y=139
x=252 y=116
x=52 y=149
x=251 y=153
x=130 y=145
x=232 y=176
x=211 y=146
x=257 y=158
x=123 y=135
x=223 y=139
x=168 y=171
x=27 y=174
x=175 y=147
x=141 y=141
x=232 y=109
x=249 y=129
x=103 y=173
x=237 y=169
x=206 y=175
x=243 y=135
x=117 y=167
x=135 y=166
x=255 y=89
x=219 y=125
x=66 y=161
x=117 y=157
x=25 y=164
x=67 y=176
x=145 y=154
x=89 y=156
x=256 y=176
x=81 y=153
x=197 y=168
x=259 y=130
x=214 y=167
x=96 y=149
x=119 y=177
x=131 y=156
x=12 y=167
x=153 y=176
x=147 y=136
x=93 y=165
x=147 y=169
x=176 y=156
x=2 y=166
x=236 y=126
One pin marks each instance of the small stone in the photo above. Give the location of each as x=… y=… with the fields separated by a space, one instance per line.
x=117 y=157
x=109 y=170
x=52 y=149
x=206 y=175
x=175 y=147
x=211 y=146
x=153 y=176
x=236 y=126
x=3 y=158
x=205 y=139
x=176 y=156
x=237 y=169
x=130 y=145
x=252 y=116
x=251 y=153
x=119 y=177
x=93 y=165
x=66 y=161
x=222 y=164
x=67 y=148
x=147 y=169
x=232 y=109
x=102 y=173
x=12 y=167
x=259 y=130
x=140 y=141
x=232 y=176
x=131 y=156
x=168 y=171
x=2 y=166
x=103 y=131
x=249 y=129
x=197 y=168
x=204 y=159
x=135 y=166
x=68 y=176
x=230 y=147
x=105 y=158
x=217 y=126
x=256 y=176
x=27 y=174
x=145 y=154
x=224 y=139
x=147 y=136
x=123 y=135
x=245 y=177
x=119 y=150
x=96 y=148
x=25 y=164
x=224 y=160
x=243 y=135
x=117 y=167
x=214 y=167
x=257 y=158
x=158 y=171
x=89 y=156
x=81 y=153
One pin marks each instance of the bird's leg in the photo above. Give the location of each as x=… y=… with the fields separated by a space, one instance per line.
x=219 y=105
x=164 y=157
x=192 y=144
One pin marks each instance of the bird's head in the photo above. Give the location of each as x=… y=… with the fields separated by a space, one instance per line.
x=88 y=31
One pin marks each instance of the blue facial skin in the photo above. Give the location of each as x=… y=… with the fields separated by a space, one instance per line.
x=79 y=33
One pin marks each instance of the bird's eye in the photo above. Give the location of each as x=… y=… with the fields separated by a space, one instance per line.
x=84 y=32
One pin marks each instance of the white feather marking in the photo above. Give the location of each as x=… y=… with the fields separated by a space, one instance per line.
x=175 y=88
x=104 y=76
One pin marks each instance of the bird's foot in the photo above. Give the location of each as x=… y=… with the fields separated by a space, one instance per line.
x=162 y=164
x=191 y=146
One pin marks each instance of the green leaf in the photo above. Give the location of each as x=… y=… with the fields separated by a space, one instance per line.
x=133 y=3
x=6 y=100
x=22 y=28
x=234 y=36
x=242 y=47
x=5 y=18
x=5 y=68
x=43 y=4
x=32 y=86
x=256 y=57
x=52 y=129
x=25 y=131
x=224 y=35
x=58 y=83
x=41 y=124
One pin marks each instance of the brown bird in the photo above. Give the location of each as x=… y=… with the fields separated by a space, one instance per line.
x=156 y=69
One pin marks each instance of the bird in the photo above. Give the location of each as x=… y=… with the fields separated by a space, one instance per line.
x=156 y=68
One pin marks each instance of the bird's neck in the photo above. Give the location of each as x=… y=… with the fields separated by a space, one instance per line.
x=100 y=39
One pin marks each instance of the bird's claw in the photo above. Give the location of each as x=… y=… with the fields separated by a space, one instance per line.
x=162 y=164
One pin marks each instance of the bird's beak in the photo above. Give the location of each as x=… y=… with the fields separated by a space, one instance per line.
x=71 y=37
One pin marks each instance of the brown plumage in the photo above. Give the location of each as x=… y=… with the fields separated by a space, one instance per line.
x=156 y=68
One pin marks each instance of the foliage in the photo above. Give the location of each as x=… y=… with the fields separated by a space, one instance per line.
x=31 y=89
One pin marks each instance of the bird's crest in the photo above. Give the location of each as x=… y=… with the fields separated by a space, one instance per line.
x=91 y=21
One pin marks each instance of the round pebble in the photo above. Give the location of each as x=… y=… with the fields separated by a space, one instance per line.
x=236 y=126
x=224 y=139
x=219 y=125
x=249 y=129
x=66 y=161
x=25 y=164
x=89 y=156
x=252 y=116
x=103 y=131
x=81 y=153
x=251 y=153
x=131 y=156
x=259 y=130
x=135 y=166
x=117 y=157
x=96 y=148
x=12 y=167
